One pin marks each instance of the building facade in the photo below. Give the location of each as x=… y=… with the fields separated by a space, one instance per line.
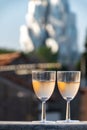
x=52 y=22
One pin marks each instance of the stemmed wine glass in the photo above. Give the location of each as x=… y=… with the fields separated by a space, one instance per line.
x=43 y=85
x=68 y=85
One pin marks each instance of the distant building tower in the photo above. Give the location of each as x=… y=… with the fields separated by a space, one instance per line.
x=52 y=20
x=84 y=64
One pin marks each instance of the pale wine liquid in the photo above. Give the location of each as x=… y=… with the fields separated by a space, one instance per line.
x=68 y=89
x=43 y=89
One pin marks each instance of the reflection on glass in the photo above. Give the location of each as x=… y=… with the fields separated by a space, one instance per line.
x=43 y=85
x=68 y=85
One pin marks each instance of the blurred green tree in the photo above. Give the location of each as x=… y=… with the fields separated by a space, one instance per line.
x=3 y=51
x=46 y=54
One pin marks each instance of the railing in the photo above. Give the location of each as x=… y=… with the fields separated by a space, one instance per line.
x=22 y=68
x=33 y=126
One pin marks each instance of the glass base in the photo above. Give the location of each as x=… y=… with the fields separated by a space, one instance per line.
x=43 y=122
x=68 y=121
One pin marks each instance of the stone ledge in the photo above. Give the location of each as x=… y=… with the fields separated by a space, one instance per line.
x=33 y=126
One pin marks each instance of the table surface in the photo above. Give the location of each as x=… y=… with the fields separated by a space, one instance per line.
x=5 y=125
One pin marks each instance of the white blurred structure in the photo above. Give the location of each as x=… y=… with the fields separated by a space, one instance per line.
x=25 y=40
x=52 y=23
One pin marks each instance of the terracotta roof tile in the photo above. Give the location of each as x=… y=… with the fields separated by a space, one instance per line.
x=8 y=58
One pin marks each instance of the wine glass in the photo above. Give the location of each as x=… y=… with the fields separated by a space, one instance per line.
x=68 y=85
x=43 y=85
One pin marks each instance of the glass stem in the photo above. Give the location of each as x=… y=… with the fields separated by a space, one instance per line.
x=43 y=117
x=68 y=111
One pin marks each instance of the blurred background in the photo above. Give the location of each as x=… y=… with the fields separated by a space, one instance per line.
x=46 y=35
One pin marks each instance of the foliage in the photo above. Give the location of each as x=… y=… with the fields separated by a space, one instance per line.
x=78 y=65
x=3 y=51
x=46 y=54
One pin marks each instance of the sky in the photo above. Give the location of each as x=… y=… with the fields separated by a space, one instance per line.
x=12 y=16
